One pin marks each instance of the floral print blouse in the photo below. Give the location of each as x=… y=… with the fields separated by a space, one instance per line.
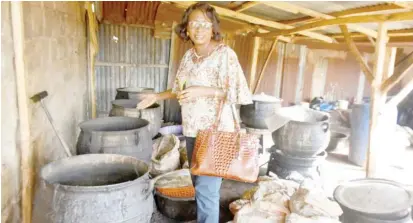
x=216 y=70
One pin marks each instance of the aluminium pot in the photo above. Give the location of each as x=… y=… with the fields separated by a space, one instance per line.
x=127 y=108
x=116 y=135
x=94 y=188
x=373 y=200
x=132 y=92
x=306 y=136
x=263 y=106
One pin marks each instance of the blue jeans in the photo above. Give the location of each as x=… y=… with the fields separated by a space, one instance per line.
x=206 y=191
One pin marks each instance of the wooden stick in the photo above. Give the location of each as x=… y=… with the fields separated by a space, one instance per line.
x=399 y=72
x=258 y=21
x=24 y=122
x=172 y=51
x=402 y=16
x=376 y=103
x=353 y=49
x=254 y=60
x=273 y=47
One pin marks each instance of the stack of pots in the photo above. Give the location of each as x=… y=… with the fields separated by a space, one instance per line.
x=127 y=131
x=300 y=142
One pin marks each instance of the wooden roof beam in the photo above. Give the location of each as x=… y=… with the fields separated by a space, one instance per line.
x=353 y=49
x=259 y=21
x=399 y=73
x=246 y=6
x=355 y=11
x=406 y=5
x=289 y=7
x=402 y=16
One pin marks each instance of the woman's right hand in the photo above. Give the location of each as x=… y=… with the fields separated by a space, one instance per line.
x=147 y=100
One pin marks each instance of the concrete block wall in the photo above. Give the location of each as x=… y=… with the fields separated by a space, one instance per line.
x=10 y=157
x=56 y=62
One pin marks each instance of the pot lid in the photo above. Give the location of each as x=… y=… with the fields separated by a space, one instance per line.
x=374 y=196
x=265 y=98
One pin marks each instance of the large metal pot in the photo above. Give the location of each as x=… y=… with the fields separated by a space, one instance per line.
x=94 y=188
x=254 y=115
x=132 y=92
x=374 y=201
x=305 y=136
x=127 y=108
x=179 y=209
x=116 y=135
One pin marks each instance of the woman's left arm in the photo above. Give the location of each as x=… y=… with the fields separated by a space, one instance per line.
x=201 y=91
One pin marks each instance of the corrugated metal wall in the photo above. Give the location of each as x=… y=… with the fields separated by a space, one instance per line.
x=128 y=56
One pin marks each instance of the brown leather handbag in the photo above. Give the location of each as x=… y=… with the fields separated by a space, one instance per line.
x=230 y=155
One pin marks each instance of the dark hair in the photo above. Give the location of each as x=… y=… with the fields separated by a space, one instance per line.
x=209 y=11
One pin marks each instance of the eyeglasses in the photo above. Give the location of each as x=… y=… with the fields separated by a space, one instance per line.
x=199 y=24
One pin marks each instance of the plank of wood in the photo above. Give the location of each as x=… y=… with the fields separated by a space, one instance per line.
x=172 y=54
x=252 y=19
x=273 y=47
x=298 y=9
x=353 y=49
x=399 y=72
x=280 y=69
x=27 y=173
x=394 y=17
x=254 y=61
x=377 y=103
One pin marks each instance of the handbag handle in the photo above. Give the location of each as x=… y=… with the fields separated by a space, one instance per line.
x=221 y=107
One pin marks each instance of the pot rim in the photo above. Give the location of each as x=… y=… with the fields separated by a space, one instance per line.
x=83 y=128
x=110 y=187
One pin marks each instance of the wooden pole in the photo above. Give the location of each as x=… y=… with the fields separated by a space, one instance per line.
x=92 y=51
x=24 y=122
x=254 y=60
x=273 y=47
x=376 y=103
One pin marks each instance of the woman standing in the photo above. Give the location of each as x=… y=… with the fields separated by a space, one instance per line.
x=208 y=73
